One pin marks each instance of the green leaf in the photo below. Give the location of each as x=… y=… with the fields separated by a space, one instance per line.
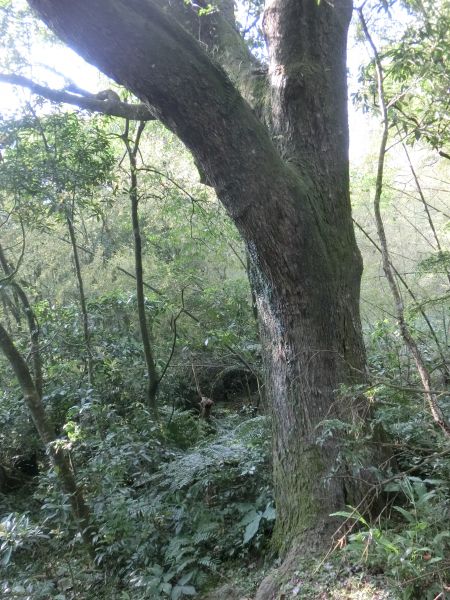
x=270 y=514
x=408 y=516
x=7 y=556
x=388 y=545
x=188 y=590
x=350 y=515
x=183 y=590
x=441 y=536
x=252 y=529
x=186 y=578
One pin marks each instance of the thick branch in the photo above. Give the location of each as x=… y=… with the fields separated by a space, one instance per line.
x=91 y=102
x=170 y=71
x=307 y=46
x=217 y=32
x=307 y=66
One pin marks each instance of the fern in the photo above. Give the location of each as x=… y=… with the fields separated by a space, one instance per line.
x=208 y=563
x=238 y=446
x=205 y=532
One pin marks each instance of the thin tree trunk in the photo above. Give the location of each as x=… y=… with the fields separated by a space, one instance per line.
x=417 y=304
x=425 y=206
x=55 y=447
x=152 y=375
x=33 y=325
x=435 y=410
x=82 y=296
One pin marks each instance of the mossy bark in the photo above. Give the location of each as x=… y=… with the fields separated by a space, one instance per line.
x=281 y=170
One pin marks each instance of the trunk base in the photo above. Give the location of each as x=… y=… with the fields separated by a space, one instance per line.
x=314 y=543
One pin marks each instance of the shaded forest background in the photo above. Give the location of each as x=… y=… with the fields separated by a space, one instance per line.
x=108 y=240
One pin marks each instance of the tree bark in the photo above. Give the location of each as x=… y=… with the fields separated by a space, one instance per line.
x=83 y=306
x=314 y=329
x=57 y=453
x=281 y=170
x=33 y=325
x=132 y=149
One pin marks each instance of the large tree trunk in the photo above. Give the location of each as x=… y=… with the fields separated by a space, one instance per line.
x=281 y=170
x=313 y=332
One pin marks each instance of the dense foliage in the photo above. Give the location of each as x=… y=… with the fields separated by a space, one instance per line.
x=181 y=503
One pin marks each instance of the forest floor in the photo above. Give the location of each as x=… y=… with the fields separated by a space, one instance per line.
x=332 y=580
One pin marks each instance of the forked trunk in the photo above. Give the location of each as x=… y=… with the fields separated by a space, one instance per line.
x=310 y=320
x=283 y=181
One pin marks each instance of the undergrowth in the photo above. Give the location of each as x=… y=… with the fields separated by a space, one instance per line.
x=408 y=541
x=175 y=506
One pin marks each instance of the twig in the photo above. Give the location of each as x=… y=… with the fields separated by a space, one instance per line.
x=435 y=409
x=418 y=305
x=147 y=285
x=174 y=341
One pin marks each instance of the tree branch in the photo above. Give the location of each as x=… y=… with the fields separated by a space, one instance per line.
x=147 y=285
x=92 y=102
x=435 y=410
x=169 y=70
x=417 y=304
x=218 y=34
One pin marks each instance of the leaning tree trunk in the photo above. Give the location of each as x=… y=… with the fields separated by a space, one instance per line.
x=275 y=148
x=55 y=447
x=33 y=325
